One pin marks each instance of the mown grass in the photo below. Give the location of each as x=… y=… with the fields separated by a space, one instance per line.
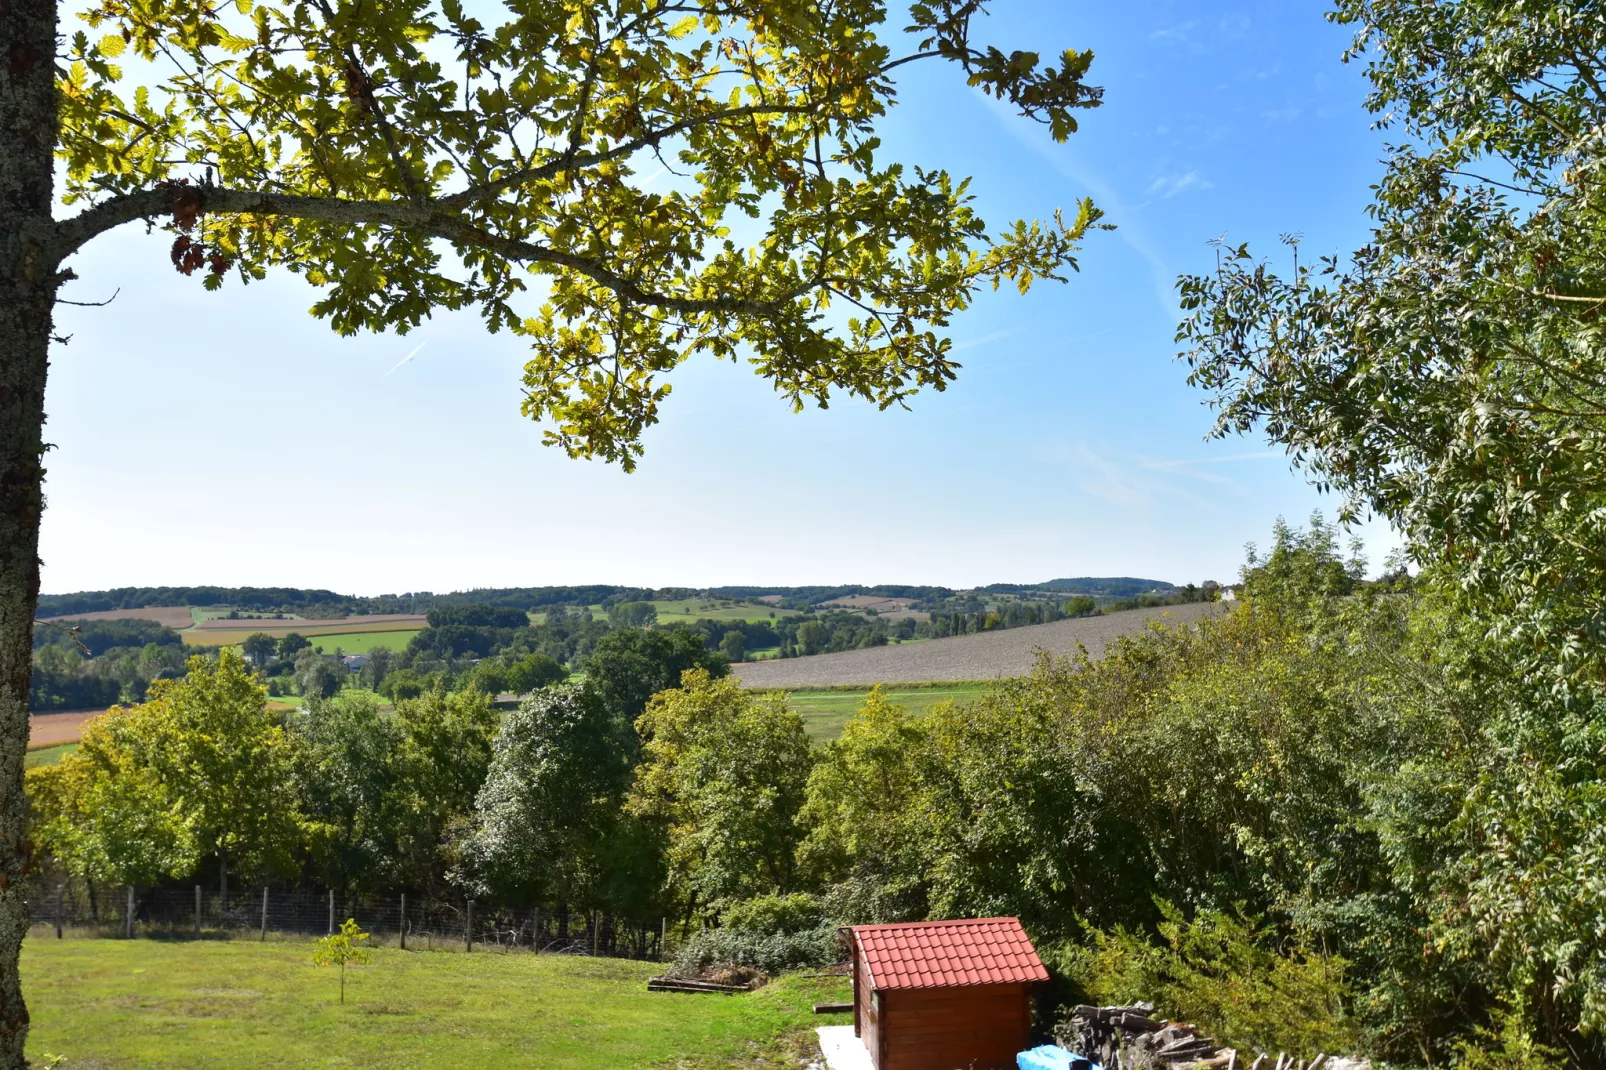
x=47 y=755
x=825 y=711
x=149 y=1003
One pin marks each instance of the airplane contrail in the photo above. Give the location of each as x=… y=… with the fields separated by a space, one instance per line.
x=407 y=358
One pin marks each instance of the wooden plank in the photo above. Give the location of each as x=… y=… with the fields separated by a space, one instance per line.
x=680 y=984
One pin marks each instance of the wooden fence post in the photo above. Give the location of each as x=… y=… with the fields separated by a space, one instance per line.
x=535 y=929
x=264 y=914
x=468 y=928
x=402 y=925
x=663 y=937
x=197 y=910
x=331 y=912
x=128 y=914
x=58 y=912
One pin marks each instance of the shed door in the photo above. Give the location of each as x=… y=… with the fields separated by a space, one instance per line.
x=872 y=1028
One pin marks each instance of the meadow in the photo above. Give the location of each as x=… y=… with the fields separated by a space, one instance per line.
x=46 y=755
x=686 y=610
x=363 y=642
x=824 y=712
x=152 y=1003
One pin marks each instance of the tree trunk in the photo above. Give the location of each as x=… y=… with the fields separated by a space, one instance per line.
x=27 y=292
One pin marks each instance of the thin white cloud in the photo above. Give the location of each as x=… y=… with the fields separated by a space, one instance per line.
x=1138 y=483
x=1177 y=463
x=986 y=339
x=1167 y=186
x=1182 y=31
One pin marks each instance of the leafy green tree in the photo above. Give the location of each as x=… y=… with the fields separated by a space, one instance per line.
x=1448 y=375
x=633 y=614
x=811 y=637
x=724 y=773
x=201 y=770
x=488 y=676
x=864 y=815
x=1081 y=606
x=349 y=946
x=408 y=158
x=292 y=644
x=354 y=781
x=733 y=646
x=446 y=751
x=629 y=667
x=534 y=671
x=373 y=672
x=105 y=812
x=406 y=684
x=259 y=648
x=550 y=802
x=316 y=675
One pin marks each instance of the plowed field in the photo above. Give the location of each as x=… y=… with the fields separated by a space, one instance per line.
x=51 y=729
x=175 y=617
x=984 y=656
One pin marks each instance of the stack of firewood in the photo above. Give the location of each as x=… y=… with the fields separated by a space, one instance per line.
x=1132 y=1038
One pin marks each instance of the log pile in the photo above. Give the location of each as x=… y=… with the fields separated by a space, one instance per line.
x=687 y=984
x=1132 y=1037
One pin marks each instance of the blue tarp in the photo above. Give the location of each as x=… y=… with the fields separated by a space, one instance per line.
x=1053 y=1057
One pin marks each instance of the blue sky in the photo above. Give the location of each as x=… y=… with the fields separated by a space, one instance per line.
x=233 y=439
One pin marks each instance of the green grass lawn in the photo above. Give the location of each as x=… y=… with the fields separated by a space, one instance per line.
x=825 y=712
x=46 y=755
x=151 y=1003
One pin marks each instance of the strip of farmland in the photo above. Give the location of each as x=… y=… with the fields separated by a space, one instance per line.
x=54 y=729
x=983 y=656
x=175 y=617
x=373 y=622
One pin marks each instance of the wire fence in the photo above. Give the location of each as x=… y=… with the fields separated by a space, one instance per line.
x=418 y=923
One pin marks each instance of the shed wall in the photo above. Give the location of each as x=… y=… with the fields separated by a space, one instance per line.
x=866 y=1012
x=973 y=1027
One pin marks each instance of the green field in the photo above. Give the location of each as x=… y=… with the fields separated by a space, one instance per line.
x=352 y=642
x=46 y=755
x=690 y=609
x=363 y=642
x=149 y=1003
x=825 y=712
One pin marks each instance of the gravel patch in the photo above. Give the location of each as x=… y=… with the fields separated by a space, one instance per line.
x=983 y=656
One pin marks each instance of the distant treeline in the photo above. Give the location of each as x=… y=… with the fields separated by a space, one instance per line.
x=1096 y=586
x=269 y=599
x=99 y=663
x=797 y=597
x=256 y=598
x=321 y=603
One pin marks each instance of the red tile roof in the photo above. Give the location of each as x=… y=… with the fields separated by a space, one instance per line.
x=935 y=954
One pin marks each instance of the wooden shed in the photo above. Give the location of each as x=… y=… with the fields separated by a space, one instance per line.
x=939 y=995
